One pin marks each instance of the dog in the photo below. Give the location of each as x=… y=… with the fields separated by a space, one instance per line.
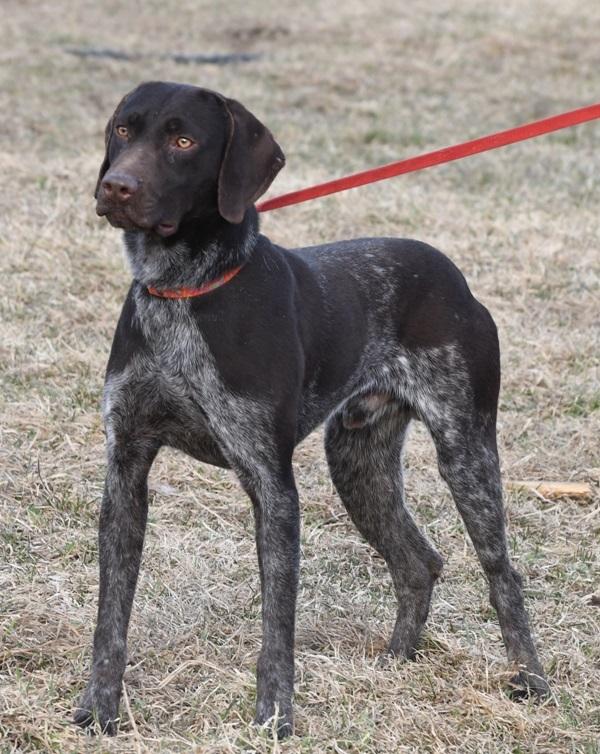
x=233 y=349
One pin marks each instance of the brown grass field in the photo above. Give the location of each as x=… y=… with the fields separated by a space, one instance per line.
x=344 y=86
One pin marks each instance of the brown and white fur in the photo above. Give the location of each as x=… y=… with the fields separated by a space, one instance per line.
x=362 y=335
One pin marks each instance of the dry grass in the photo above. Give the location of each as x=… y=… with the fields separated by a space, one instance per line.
x=344 y=86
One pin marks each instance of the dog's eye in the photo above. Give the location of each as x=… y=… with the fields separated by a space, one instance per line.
x=182 y=142
x=122 y=131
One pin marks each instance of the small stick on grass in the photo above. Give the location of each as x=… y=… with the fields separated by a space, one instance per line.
x=553 y=490
x=136 y=734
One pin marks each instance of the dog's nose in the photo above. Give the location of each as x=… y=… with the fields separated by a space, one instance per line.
x=119 y=186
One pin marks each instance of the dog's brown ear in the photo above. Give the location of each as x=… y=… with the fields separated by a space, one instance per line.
x=108 y=131
x=251 y=161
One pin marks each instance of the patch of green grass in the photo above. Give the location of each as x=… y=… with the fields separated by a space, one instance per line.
x=583 y=406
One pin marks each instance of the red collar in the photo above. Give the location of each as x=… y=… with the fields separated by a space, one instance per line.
x=192 y=292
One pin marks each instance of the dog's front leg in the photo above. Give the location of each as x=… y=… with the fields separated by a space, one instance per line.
x=277 y=518
x=121 y=537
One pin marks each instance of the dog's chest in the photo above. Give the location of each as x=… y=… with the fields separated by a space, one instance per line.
x=198 y=404
x=186 y=370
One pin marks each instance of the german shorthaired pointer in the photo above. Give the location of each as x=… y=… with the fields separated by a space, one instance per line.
x=233 y=349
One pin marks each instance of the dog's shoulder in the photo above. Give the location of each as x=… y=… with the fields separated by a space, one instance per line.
x=129 y=338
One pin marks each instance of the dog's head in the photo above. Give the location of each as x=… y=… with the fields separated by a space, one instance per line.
x=175 y=152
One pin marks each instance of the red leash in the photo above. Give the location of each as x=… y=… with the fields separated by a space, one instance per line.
x=427 y=160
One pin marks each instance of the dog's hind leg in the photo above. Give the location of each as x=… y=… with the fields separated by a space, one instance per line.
x=468 y=462
x=363 y=444
x=455 y=392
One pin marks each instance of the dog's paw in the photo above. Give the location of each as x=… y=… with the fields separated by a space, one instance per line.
x=278 y=721
x=397 y=653
x=98 y=710
x=526 y=685
x=390 y=659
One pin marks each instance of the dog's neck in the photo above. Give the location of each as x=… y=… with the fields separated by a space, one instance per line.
x=200 y=251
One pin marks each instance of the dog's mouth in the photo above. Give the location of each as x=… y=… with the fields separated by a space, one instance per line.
x=121 y=219
x=165 y=229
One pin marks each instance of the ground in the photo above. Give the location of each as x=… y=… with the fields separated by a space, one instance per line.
x=344 y=87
